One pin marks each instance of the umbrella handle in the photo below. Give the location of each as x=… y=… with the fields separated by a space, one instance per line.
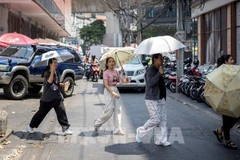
x=119 y=62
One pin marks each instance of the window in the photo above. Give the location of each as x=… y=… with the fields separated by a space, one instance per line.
x=13 y=23
x=135 y=61
x=215 y=34
x=76 y=56
x=37 y=59
x=18 y=52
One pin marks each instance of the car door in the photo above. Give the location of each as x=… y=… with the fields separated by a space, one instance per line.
x=35 y=70
x=75 y=64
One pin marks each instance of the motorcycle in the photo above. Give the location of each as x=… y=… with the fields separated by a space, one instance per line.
x=87 y=71
x=95 y=72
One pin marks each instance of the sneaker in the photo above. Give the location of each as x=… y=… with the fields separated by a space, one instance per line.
x=118 y=132
x=96 y=128
x=30 y=129
x=67 y=132
x=165 y=144
x=138 y=138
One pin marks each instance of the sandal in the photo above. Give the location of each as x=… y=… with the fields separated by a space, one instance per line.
x=231 y=145
x=218 y=135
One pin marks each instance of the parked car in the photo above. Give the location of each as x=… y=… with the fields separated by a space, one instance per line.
x=135 y=71
x=19 y=73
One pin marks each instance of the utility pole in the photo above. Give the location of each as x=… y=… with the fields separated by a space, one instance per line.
x=181 y=36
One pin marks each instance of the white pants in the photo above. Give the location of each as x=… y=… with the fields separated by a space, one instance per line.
x=113 y=107
x=157 y=121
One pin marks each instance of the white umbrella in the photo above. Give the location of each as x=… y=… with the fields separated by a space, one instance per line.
x=62 y=56
x=160 y=44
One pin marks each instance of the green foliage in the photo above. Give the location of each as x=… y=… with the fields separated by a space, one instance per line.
x=154 y=31
x=93 y=34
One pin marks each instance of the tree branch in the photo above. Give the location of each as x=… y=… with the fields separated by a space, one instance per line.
x=165 y=8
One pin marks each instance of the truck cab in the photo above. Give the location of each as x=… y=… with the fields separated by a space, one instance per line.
x=20 y=74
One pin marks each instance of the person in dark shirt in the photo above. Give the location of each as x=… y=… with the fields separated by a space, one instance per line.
x=51 y=98
x=155 y=99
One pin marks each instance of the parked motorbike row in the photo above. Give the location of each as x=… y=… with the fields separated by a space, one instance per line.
x=191 y=83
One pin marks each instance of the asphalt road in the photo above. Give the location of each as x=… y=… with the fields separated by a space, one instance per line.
x=189 y=129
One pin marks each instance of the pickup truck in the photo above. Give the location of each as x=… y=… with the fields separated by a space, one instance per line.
x=20 y=74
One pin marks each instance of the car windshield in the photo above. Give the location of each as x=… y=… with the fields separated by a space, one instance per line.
x=18 y=52
x=135 y=61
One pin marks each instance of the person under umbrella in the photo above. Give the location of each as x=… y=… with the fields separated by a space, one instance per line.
x=51 y=98
x=112 y=96
x=228 y=122
x=155 y=99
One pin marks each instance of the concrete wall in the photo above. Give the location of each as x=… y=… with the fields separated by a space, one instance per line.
x=113 y=33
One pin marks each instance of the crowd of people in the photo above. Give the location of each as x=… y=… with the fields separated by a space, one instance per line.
x=155 y=100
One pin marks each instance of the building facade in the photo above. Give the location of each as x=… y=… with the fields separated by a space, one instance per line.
x=218 y=29
x=36 y=18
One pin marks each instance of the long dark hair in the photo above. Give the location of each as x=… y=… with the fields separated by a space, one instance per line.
x=221 y=60
x=156 y=56
x=108 y=58
x=50 y=61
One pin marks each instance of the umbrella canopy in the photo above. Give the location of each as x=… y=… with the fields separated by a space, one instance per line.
x=60 y=56
x=4 y=45
x=16 y=38
x=222 y=90
x=160 y=44
x=121 y=56
x=50 y=42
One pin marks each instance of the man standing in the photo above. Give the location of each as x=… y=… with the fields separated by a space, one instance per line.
x=155 y=99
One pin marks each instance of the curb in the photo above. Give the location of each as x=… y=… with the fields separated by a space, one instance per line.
x=215 y=116
x=8 y=133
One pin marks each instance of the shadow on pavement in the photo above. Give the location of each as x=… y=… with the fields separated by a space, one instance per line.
x=36 y=136
x=132 y=148
x=95 y=133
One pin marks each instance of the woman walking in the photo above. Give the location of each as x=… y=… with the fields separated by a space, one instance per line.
x=155 y=99
x=51 y=98
x=112 y=96
x=228 y=122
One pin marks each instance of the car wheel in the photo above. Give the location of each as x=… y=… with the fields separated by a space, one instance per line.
x=17 y=89
x=70 y=90
x=35 y=89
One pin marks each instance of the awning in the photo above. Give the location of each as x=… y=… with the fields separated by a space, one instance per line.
x=34 y=10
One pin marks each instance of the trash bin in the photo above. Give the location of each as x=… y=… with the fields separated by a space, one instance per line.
x=3 y=122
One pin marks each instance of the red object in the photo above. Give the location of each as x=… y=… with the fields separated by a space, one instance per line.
x=95 y=69
x=196 y=72
x=16 y=38
x=4 y=45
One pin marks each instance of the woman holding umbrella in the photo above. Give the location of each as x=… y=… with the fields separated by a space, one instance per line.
x=228 y=122
x=51 y=98
x=113 y=100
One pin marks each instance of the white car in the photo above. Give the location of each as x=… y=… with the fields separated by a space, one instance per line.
x=135 y=72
